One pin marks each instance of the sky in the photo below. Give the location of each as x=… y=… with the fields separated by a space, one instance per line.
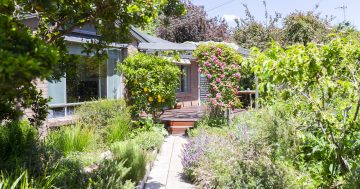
x=230 y=9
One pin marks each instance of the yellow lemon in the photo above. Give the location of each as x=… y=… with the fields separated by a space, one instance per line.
x=145 y=89
x=151 y=99
x=132 y=92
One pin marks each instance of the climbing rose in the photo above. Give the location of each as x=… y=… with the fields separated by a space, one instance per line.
x=219 y=51
x=218 y=96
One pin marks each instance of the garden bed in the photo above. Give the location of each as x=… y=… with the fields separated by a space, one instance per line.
x=103 y=149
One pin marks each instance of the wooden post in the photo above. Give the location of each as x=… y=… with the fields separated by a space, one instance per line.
x=248 y=89
x=257 y=92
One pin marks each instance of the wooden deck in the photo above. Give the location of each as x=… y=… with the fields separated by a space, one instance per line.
x=193 y=113
x=178 y=121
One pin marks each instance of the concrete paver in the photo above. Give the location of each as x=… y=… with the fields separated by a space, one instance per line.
x=167 y=169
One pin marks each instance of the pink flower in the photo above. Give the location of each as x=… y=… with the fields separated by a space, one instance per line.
x=222 y=76
x=199 y=70
x=218 y=80
x=221 y=104
x=237 y=75
x=213 y=101
x=213 y=58
x=208 y=76
x=218 y=96
x=219 y=51
x=205 y=54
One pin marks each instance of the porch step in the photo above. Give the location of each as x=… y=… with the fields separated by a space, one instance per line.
x=179 y=126
x=178 y=130
x=182 y=123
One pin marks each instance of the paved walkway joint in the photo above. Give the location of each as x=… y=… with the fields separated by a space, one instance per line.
x=167 y=170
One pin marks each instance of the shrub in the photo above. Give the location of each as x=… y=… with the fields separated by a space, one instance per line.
x=69 y=173
x=149 y=140
x=323 y=89
x=151 y=82
x=221 y=64
x=256 y=152
x=101 y=113
x=111 y=175
x=118 y=129
x=20 y=178
x=18 y=145
x=133 y=157
x=73 y=138
x=148 y=124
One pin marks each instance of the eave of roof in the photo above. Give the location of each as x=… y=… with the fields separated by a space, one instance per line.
x=87 y=40
x=167 y=46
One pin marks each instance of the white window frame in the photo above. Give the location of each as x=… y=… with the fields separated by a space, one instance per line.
x=76 y=49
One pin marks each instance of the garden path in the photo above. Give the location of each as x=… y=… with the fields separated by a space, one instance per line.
x=167 y=169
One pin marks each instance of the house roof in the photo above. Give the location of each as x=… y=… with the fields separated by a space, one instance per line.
x=148 y=42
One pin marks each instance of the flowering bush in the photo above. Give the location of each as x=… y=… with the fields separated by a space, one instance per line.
x=193 y=150
x=221 y=65
x=247 y=154
x=151 y=83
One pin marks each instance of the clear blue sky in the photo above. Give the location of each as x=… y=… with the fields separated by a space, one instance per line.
x=233 y=8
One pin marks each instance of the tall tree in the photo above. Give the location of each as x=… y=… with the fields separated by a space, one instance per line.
x=23 y=58
x=305 y=27
x=194 y=26
x=252 y=33
x=297 y=27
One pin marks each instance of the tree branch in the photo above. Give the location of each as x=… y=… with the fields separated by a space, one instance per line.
x=357 y=110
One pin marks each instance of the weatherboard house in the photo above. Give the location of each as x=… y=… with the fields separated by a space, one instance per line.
x=84 y=82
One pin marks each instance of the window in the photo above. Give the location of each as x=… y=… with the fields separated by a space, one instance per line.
x=89 y=78
x=184 y=79
x=85 y=79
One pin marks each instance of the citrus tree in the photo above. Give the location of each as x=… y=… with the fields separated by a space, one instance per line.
x=321 y=86
x=221 y=65
x=151 y=83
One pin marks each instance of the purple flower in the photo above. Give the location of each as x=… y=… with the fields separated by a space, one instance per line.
x=194 y=149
